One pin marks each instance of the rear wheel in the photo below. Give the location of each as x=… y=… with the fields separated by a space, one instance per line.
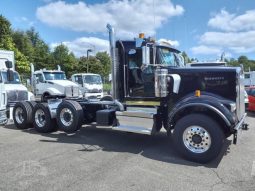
x=198 y=138
x=42 y=120
x=22 y=115
x=69 y=116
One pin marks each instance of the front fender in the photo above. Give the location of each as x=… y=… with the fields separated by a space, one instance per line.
x=212 y=103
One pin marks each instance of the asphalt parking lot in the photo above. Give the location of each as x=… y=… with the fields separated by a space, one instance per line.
x=101 y=159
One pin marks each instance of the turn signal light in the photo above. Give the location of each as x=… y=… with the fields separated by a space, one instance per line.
x=197 y=93
x=141 y=35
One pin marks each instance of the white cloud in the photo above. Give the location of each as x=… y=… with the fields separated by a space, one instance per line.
x=237 y=34
x=231 y=22
x=173 y=43
x=128 y=16
x=24 y=20
x=80 y=46
x=239 y=42
x=206 y=50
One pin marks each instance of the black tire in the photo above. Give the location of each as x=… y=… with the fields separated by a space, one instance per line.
x=32 y=104
x=69 y=116
x=42 y=120
x=22 y=115
x=212 y=139
x=106 y=98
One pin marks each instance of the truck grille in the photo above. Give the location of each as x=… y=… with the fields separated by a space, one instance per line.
x=17 y=95
x=95 y=90
x=72 y=91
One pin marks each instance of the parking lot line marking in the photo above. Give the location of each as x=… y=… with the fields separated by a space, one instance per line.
x=253 y=169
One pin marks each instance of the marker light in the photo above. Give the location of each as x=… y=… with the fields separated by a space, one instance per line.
x=141 y=35
x=197 y=93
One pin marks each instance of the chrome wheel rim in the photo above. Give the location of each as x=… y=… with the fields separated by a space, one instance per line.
x=19 y=115
x=196 y=139
x=40 y=118
x=66 y=117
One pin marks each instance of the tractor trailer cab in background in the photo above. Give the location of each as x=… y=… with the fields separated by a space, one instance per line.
x=49 y=84
x=198 y=106
x=91 y=85
x=15 y=90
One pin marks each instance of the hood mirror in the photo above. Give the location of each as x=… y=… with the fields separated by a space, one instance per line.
x=8 y=64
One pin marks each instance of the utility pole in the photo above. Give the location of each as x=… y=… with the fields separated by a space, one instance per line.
x=89 y=50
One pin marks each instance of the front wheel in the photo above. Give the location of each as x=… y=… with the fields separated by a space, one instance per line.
x=198 y=138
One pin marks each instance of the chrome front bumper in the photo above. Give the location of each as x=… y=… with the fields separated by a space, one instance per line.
x=241 y=122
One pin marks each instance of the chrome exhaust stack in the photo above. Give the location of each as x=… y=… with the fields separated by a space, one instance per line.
x=114 y=66
x=113 y=57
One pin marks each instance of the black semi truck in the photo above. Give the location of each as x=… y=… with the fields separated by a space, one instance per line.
x=152 y=89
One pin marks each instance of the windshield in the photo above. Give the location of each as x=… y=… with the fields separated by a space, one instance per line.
x=92 y=79
x=170 y=58
x=54 y=75
x=16 y=79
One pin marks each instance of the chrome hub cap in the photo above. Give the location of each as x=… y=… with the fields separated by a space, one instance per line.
x=66 y=117
x=19 y=115
x=196 y=139
x=40 y=118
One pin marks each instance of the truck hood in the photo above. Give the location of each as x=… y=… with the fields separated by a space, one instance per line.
x=20 y=87
x=63 y=83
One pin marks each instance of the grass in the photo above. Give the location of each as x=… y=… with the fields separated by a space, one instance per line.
x=107 y=87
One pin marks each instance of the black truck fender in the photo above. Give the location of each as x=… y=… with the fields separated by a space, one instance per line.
x=209 y=104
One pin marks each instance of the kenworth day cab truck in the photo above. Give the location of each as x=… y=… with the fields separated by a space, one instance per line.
x=199 y=107
x=15 y=90
x=91 y=85
x=49 y=84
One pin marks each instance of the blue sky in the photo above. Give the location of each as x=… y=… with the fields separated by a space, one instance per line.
x=203 y=29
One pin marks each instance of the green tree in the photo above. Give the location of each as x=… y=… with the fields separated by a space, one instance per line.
x=64 y=59
x=105 y=61
x=41 y=51
x=186 y=57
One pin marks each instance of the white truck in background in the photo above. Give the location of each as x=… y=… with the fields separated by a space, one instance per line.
x=90 y=84
x=249 y=78
x=15 y=90
x=3 y=103
x=49 y=84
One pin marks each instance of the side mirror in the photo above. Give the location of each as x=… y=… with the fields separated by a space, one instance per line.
x=37 y=80
x=80 y=81
x=10 y=75
x=146 y=55
x=28 y=82
x=8 y=64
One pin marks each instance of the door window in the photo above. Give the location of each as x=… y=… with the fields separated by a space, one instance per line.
x=78 y=79
x=39 y=77
x=140 y=80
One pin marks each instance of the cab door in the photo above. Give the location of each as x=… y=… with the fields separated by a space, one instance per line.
x=140 y=80
x=39 y=84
